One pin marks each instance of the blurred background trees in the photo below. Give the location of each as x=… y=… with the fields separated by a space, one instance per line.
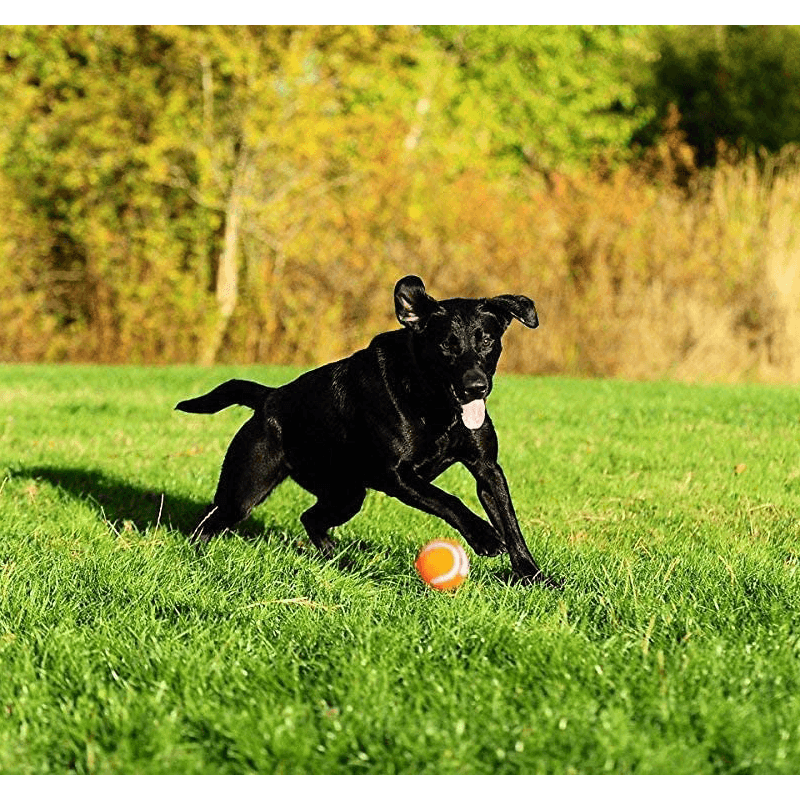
x=252 y=193
x=547 y=98
x=732 y=84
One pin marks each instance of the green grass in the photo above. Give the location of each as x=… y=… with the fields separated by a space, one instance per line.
x=673 y=648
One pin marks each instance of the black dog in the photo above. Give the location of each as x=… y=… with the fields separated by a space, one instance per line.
x=390 y=417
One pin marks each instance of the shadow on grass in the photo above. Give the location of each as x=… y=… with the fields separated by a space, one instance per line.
x=120 y=503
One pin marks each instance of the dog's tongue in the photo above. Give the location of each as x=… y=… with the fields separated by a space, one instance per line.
x=473 y=413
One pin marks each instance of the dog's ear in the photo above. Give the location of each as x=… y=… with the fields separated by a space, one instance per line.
x=517 y=306
x=412 y=304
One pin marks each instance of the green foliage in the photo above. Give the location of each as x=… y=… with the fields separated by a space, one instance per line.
x=671 y=511
x=84 y=107
x=134 y=150
x=735 y=84
x=551 y=97
x=246 y=193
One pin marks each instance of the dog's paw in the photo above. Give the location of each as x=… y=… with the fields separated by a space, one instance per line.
x=325 y=545
x=485 y=541
x=490 y=548
x=538 y=577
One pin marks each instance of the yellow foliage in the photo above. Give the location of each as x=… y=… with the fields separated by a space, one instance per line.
x=115 y=203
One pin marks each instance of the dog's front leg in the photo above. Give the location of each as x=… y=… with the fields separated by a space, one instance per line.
x=496 y=499
x=420 y=494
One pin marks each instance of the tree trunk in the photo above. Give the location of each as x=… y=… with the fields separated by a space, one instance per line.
x=227 y=285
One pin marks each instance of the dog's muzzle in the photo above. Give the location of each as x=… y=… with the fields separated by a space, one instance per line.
x=476 y=387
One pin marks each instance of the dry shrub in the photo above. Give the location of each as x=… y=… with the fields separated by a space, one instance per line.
x=646 y=271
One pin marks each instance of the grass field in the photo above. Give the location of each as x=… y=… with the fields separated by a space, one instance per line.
x=672 y=512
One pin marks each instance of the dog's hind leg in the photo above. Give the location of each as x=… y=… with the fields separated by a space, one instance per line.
x=330 y=510
x=253 y=467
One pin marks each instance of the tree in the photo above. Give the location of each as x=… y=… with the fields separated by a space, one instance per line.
x=730 y=83
x=79 y=108
x=280 y=106
x=168 y=151
x=549 y=97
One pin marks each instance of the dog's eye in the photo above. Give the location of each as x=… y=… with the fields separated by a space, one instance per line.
x=485 y=342
x=450 y=346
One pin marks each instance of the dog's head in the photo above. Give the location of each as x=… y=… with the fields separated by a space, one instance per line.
x=457 y=342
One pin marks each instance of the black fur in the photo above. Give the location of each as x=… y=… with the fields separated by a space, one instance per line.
x=389 y=417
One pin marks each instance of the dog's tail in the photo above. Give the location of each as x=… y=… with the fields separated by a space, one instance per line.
x=235 y=392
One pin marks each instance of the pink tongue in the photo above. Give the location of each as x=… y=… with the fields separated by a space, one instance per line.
x=473 y=413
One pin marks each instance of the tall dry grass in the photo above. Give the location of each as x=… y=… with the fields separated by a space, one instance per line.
x=647 y=271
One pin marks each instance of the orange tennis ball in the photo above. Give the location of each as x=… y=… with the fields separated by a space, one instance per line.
x=442 y=564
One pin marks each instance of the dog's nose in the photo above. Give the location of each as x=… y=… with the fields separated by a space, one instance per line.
x=476 y=384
